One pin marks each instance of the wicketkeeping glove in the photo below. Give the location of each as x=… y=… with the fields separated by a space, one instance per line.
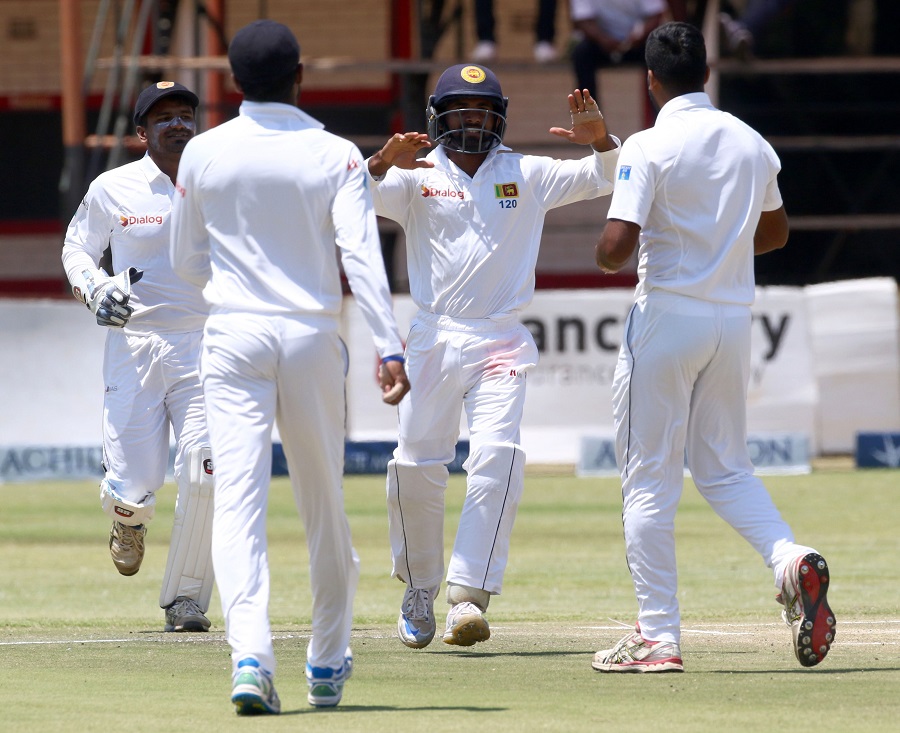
x=108 y=297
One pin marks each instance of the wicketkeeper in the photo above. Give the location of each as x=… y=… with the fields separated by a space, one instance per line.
x=150 y=365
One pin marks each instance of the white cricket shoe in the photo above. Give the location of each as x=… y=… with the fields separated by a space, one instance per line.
x=252 y=690
x=326 y=684
x=126 y=547
x=466 y=625
x=416 y=625
x=806 y=611
x=634 y=653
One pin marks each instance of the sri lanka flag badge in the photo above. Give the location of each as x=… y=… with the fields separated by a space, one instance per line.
x=506 y=190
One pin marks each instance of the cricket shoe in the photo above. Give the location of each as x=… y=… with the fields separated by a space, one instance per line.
x=326 y=684
x=252 y=690
x=416 y=625
x=634 y=653
x=806 y=610
x=184 y=614
x=466 y=625
x=126 y=547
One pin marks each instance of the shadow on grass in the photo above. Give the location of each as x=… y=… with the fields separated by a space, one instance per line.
x=801 y=670
x=490 y=655
x=393 y=709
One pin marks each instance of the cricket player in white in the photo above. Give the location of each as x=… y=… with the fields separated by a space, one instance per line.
x=472 y=211
x=698 y=193
x=263 y=200
x=150 y=366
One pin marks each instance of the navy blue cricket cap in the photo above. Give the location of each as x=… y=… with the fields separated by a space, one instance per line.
x=152 y=94
x=263 y=51
x=467 y=80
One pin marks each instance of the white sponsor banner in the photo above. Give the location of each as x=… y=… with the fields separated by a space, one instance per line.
x=578 y=334
x=854 y=328
x=824 y=363
x=368 y=418
x=51 y=378
x=570 y=393
x=782 y=395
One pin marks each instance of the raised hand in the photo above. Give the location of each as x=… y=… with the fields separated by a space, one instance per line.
x=400 y=150
x=588 y=125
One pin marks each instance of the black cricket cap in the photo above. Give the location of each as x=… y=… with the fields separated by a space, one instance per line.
x=263 y=51
x=152 y=94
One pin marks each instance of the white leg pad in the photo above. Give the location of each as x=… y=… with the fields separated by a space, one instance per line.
x=494 y=488
x=124 y=511
x=189 y=570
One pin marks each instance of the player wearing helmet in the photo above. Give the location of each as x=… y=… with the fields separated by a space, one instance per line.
x=473 y=211
x=467 y=112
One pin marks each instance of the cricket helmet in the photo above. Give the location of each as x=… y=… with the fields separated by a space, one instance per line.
x=464 y=81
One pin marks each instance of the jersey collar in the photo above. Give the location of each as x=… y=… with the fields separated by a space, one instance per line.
x=278 y=110
x=685 y=101
x=150 y=169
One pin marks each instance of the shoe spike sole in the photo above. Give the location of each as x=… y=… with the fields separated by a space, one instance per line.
x=817 y=630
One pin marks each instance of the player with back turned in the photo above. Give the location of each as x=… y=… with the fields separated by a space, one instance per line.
x=698 y=195
x=264 y=201
x=473 y=211
x=150 y=365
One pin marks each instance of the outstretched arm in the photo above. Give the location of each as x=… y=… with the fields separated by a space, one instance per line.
x=400 y=150
x=588 y=125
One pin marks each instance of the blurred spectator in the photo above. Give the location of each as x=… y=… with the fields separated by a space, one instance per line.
x=612 y=32
x=741 y=31
x=485 y=50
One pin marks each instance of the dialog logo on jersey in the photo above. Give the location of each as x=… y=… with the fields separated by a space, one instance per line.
x=447 y=193
x=506 y=190
x=624 y=172
x=131 y=220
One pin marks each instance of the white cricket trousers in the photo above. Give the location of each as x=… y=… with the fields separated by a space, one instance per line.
x=455 y=364
x=257 y=370
x=152 y=382
x=680 y=387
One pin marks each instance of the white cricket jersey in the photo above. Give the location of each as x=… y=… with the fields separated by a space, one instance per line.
x=696 y=183
x=472 y=243
x=128 y=209
x=263 y=199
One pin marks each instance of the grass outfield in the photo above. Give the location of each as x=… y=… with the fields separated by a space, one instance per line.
x=82 y=648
